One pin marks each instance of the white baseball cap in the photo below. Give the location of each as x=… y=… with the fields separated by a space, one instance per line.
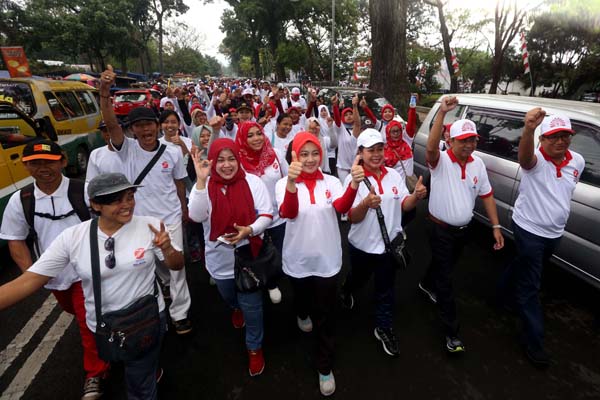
x=369 y=137
x=295 y=90
x=556 y=123
x=463 y=129
x=248 y=91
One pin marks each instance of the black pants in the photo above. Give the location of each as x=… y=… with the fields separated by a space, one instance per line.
x=382 y=265
x=315 y=297
x=446 y=245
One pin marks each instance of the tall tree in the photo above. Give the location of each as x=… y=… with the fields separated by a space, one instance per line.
x=388 y=63
x=446 y=39
x=508 y=21
x=163 y=9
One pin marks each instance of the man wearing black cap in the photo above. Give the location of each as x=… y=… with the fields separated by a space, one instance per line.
x=163 y=193
x=51 y=212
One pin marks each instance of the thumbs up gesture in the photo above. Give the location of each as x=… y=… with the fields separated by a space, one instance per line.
x=357 y=172
x=295 y=168
x=373 y=200
x=420 y=189
x=107 y=79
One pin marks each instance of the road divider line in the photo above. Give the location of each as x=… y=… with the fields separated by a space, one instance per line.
x=34 y=363
x=14 y=348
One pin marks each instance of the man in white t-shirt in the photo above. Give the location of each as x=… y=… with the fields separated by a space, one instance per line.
x=163 y=192
x=458 y=177
x=549 y=176
x=52 y=213
x=104 y=156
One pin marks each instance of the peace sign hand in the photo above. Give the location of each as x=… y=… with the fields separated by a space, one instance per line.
x=161 y=237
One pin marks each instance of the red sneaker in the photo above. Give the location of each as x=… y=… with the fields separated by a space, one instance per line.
x=237 y=319
x=256 y=363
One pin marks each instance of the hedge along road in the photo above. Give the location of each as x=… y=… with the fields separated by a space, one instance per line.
x=211 y=363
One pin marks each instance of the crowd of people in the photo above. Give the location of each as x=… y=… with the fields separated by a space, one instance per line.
x=221 y=167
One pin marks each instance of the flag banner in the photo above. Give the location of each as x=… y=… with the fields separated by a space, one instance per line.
x=362 y=70
x=525 y=53
x=454 y=60
x=16 y=62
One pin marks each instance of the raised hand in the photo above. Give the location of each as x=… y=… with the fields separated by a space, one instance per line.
x=201 y=166
x=107 y=79
x=372 y=200
x=357 y=172
x=363 y=102
x=354 y=100
x=295 y=168
x=449 y=103
x=420 y=189
x=161 y=237
x=533 y=118
x=334 y=99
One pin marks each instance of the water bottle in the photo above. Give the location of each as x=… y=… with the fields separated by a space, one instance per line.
x=413 y=100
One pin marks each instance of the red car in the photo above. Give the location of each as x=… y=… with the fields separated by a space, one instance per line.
x=127 y=100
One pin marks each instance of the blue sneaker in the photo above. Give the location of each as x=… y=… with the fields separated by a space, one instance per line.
x=327 y=384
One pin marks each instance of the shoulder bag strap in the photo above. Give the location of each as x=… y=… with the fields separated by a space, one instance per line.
x=381 y=220
x=75 y=193
x=95 y=259
x=148 y=167
x=28 y=204
x=401 y=163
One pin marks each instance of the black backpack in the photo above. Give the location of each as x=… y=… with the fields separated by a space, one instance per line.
x=75 y=193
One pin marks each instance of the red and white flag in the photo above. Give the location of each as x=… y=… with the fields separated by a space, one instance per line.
x=454 y=60
x=420 y=78
x=525 y=53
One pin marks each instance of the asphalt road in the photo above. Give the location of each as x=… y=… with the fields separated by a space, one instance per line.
x=211 y=362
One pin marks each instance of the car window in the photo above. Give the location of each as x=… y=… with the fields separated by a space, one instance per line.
x=130 y=97
x=19 y=94
x=56 y=108
x=499 y=131
x=11 y=136
x=450 y=117
x=587 y=143
x=87 y=102
x=70 y=103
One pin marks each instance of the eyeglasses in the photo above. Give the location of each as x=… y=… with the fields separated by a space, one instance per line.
x=109 y=245
x=555 y=138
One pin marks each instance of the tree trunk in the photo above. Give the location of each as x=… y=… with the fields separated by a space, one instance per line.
x=496 y=72
x=447 y=52
x=389 y=74
x=160 y=43
x=256 y=63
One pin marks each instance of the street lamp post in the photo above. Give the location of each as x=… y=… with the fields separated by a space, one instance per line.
x=332 y=41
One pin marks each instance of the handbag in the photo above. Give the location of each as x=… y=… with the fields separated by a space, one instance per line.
x=129 y=333
x=252 y=274
x=397 y=247
x=411 y=181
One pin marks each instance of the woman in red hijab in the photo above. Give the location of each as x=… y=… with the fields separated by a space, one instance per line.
x=259 y=158
x=397 y=151
x=234 y=208
x=312 y=251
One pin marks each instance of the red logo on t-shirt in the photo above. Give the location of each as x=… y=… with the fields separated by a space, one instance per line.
x=475 y=181
x=165 y=164
x=139 y=253
x=275 y=165
x=328 y=194
x=575 y=173
x=395 y=190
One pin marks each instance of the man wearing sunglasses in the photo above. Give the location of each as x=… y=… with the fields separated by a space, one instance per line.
x=52 y=214
x=458 y=177
x=549 y=176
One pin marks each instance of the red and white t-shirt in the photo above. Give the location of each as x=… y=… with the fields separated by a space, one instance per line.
x=545 y=193
x=312 y=243
x=454 y=188
x=366 y=234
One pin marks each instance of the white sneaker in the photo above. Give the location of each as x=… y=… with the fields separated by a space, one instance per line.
x=327 y=384
x=305 y=325
x=275 y=295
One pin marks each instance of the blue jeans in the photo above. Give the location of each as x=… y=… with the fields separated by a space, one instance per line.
x=140 y=374
x=382 y=266
x=251 y=306
x=520 y=283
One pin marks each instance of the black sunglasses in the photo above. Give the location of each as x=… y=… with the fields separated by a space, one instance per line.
x=109 y=245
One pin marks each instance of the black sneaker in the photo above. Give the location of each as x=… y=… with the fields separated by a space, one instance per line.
x=92 y=388
x=183 y=326
x=347 y=300
x=429 y=293
x=388 y=340
x=538 y=357
x=454 y=345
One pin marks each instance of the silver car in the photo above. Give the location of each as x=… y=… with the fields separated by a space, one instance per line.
x=499 y=121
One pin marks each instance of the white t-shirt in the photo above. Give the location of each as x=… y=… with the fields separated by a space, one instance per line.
x=366 y=234
x=132 y=277
x=102 y=161
x=219 y=257
x=312 y=243
x=14 y=225
x=158 y=195
x=454 y=188
x=346 y=146
x=279 y=143
x=544 y=200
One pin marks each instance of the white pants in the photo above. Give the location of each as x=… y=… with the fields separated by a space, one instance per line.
x=180 y=293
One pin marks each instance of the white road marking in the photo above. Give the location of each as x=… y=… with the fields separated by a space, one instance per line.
x=29 y=370
x=14 y=348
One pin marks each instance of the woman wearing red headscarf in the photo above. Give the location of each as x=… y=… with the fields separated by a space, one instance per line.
x=235 y=209
x=312 y=251
x=259 y=158
x=397 y=151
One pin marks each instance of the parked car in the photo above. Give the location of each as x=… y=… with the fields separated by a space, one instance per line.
x=592 y=96
x=375 y=100
x=127 y=100
x=499 y=121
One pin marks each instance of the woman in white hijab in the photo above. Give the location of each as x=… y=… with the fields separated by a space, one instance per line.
x=326 y=122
